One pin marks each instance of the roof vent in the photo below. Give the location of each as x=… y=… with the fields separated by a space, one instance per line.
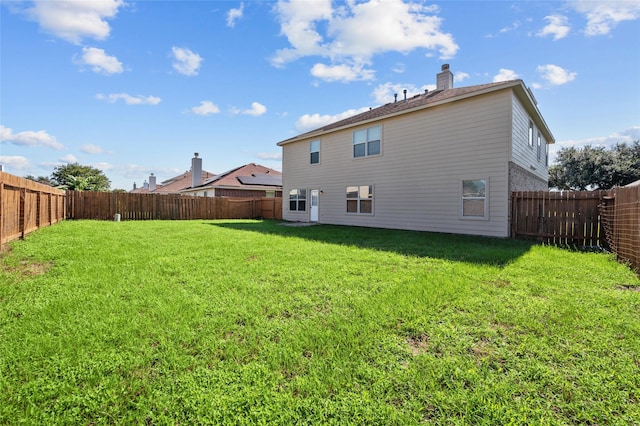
x=405 y=95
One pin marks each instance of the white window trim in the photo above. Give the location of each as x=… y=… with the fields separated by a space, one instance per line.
x=366 y=143
x=298 y=199
x=485 y=216
x=311 y=152
x=358 y=200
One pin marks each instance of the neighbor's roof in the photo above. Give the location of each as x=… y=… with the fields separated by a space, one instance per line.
x=173 y=185
x=430 y=99
x=248 y=175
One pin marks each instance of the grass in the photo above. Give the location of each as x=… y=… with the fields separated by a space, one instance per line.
x=249 y=322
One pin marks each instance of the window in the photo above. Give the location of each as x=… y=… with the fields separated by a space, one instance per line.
x=366 y=142
x=315 y=151
x=298 y=200
x=531 y=133
x=546 y=154
x=539 y=146
x=474 y=198
x=360 y=199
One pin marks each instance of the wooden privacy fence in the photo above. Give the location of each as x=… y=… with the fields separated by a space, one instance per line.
x=105 y=206
x=620 y=217
x=26 y=205
x=607 y=219
x=564 y=218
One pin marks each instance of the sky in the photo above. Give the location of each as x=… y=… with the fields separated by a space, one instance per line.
x=136 y=87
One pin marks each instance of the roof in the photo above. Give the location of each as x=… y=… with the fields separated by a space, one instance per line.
x=430 y=99
x=249 y=175
x=174 y=185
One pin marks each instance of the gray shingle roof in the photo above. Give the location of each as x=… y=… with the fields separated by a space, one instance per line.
x=416 y=102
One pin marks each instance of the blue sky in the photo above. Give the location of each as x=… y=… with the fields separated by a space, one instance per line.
x=136 y=87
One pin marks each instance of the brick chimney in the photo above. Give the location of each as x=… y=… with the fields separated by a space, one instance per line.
x=444 y=79
x=196 y=171
x=152 y=183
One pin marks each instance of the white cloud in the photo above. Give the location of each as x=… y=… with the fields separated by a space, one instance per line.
x=29 y=138
x=557 y=27
x=185 y=61
x=505 y=75
x=341 y=72
x=205 y=108
x=603 y=16
x=555 y=75
x=460 y=76
x=99 y=61
x=356 y=31
x=313 y=121
x=233 y=15
x=256 y=110
x=69 y=158
x=627 y=136
x=93 y=149
x=399 y=68
x=75 y=20
x=128 y=99
x=14 y=162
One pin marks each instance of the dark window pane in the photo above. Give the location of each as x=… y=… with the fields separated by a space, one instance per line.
x=358 y=150
x=293 y=205
x=315 y=157
x=352 y=206
x=302 y=205
x=366 y=206
x=374 y=148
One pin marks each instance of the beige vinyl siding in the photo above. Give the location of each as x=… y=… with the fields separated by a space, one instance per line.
x=417 y=178
x=522 y=154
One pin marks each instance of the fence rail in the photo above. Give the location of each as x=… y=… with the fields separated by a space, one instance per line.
x=26 y=205
x=607 y=219
x=105 y=205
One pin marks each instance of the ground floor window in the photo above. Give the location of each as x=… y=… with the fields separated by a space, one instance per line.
x=474 y=198
x=298 y=200
x=360 y=199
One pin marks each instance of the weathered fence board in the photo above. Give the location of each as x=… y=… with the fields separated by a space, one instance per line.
x=567 y=217
x=131 y=206
x=26 y=205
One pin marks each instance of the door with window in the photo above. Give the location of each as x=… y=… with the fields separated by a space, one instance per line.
x=313 y=206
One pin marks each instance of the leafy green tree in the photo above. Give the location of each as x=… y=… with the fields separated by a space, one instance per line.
x=40 y=179
x=80 y=178
x=590 y=168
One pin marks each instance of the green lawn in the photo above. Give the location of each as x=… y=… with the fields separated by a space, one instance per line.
x=250 y=322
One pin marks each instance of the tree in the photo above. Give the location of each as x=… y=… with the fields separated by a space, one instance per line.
x=40 y=179
x=80 y=178
x=595 y=168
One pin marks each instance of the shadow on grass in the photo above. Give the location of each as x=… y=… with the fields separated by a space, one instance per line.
x=453 y=247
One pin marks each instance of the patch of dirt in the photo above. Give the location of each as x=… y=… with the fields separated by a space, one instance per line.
x=418 y=344
x=628 y=287
x=27 y=268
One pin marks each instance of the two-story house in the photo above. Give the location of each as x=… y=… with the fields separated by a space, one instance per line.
x=442 y=161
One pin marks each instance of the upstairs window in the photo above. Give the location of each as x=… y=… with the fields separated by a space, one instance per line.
x=360 y=199
x=539 y=146
x=531 y=133
x=474 y=199
x=314 y=147
x=546 y=154
x=366 y=142
x=298 y=200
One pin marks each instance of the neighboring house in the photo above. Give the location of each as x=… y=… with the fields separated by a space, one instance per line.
x=178 y=183
x=442 y=161
x=248 y=181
